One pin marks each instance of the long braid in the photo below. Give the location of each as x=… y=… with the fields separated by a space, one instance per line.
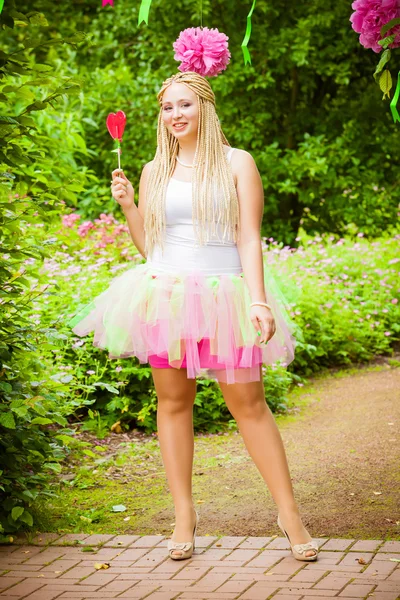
x=214 y=197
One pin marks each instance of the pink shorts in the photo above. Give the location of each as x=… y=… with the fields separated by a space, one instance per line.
x=207 y=361
x=162 y=363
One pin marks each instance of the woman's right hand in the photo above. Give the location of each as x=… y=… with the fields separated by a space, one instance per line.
x=122 y=190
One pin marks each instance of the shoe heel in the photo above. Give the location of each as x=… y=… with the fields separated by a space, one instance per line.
x=195 y=529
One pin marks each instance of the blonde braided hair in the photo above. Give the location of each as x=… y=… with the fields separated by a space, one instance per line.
x=213 y=186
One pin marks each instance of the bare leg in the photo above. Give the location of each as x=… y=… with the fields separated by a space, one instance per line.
x=246 y=403
x=176 y=394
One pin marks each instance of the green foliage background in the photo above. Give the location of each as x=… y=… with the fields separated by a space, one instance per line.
x=308 y=108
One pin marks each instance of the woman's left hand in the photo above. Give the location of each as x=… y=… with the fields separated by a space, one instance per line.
x=261 y=315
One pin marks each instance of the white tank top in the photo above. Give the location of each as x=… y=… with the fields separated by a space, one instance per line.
x=182 y=253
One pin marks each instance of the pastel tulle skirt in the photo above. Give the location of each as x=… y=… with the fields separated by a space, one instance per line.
x=193 y=321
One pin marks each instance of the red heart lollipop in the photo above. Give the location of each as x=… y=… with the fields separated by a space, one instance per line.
x=116 y=124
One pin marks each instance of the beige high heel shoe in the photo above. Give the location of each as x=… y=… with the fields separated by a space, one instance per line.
x=185 y=548
x=299 y=550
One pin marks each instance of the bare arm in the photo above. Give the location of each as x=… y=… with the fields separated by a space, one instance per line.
x=251 y=204
x=135 y=214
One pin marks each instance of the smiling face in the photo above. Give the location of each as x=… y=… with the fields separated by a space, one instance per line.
x=180 y=105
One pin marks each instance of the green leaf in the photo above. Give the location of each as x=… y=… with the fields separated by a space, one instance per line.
x=55 y=467
x=41 y=421
x=89 y=453
x=60 y=420
x=385 y=83
x=19 y=16
x=8 y=120
x=28 y=494
x=36 y=106
x=7 y=420
x=39 y=408
x=39 y=19
x=16 y=512
x=42 y=68
x=67 y=440
x=11 y=88
x=78 y=36
x=384 y=59
x=27 y=121
x=107 y=386
x=6 y=387
x=21 y=411
x=27 y=518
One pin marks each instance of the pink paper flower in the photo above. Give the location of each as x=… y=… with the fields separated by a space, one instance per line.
x=202 y=50
x=370 y=16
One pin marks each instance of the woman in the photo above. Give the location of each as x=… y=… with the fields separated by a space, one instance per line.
x=198 y=303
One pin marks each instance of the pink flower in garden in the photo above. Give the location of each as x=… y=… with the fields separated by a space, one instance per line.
x=202 y=50
x=387 y=332
x=78 y=343
x=84 y=228
x=370 y=16
x=394 y=301
x=120 y=228
x=69 y=220
x=108 y=219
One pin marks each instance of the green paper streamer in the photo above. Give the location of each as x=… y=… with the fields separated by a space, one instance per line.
x=395 y=99
x=1 y=5
x=144 y=11
x=246 y=53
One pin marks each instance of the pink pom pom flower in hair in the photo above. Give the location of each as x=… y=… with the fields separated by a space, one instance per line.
x=368 y=18
x=202 y=50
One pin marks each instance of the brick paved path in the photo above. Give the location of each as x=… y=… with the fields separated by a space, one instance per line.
x=228 y=568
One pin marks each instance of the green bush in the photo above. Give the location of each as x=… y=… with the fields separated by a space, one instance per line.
x=34 y=431
x=347 y=299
